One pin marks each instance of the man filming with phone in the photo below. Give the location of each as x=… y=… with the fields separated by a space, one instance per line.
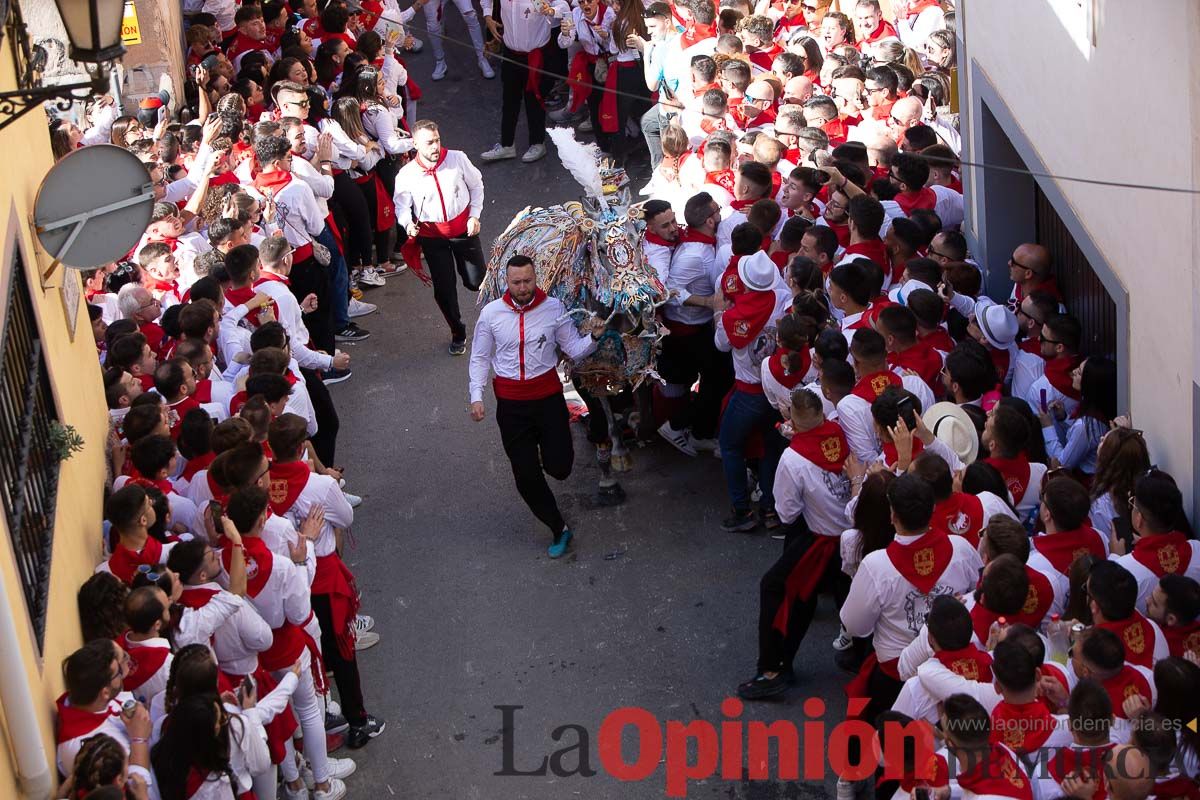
x=667 y=72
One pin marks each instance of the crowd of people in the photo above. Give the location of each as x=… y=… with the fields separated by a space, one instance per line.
x=1009 y=567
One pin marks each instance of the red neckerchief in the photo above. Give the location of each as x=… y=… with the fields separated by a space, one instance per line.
x=938 y=339
x=538 y=298
x=922 y=198
x=197 y=463
x=216 y=491
x=786 y=23
x=750 y=313
x=873 y=249
x=1015 y=472
x=1031 y=345
x=1138 y=636
x=782 y=258
x=194 y=597
x=73 y=723
x=1022 y=727
x=722 y=178
x=869 y=387
x=269 y=183
x=923 y=561
x=915 y=7
x=1049 y=286
x=1000 y=360
x=1123 y=685
x=731 y=282
x=1058 y=372
x=147 y=660
x=1164 y=553
x=843 y=232
x=981 y=621
x=1078 y=761
x=287 y=482
x=935 y=773
x=124 y=561
x=999 y=774
x=259 y=561
x=203 y=393
x=690 y=235
x=654 y=238
x=430 y=169
x=1062 y=548
x=921 y=359
x=238 y=297
x=764 y=58
x=883 y=31
x=789 y=380
x=824 y=445
x=890 y=455
x=709 y=125
x=698 y=91
x=969 y=662
x=836 y=130
x=793 y=155
x=271 y=277
x=960 y=514
x=162 y=484
x=742 y=205
x=1183 y=638
x=695 y=32
x=1038 y=599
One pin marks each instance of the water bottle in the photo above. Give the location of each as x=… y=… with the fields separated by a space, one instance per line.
x=1057 y=631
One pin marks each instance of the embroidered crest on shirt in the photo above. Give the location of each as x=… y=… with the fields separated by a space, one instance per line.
x=1192 y=642
x=1168 y=558
x=251 y=568
x=965 y=668
x=960 y=524
x=923 y=561
x=1135 y=640
x=831 y=448
x=1031 y=600
x=278 y=491
x=1130 y=691
x=1009 y=770
x=879 y=384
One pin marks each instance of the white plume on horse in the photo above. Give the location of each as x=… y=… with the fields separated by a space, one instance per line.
x=581 y=160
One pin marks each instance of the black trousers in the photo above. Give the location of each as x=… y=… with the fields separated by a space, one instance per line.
x=464 y=255
x=777 y=651
x=537 y=440
x=325 y=440
x=354 y=219
x=633 y=98
x=514 y=79
x=345 y=671
x=683 y=359
x=310 y=277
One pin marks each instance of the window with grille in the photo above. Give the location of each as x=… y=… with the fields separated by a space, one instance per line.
x=28 y=463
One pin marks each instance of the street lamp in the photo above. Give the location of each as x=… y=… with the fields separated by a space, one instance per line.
x=94 y=30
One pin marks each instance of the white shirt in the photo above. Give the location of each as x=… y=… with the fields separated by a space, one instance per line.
x=1147 y=580
x=913 y=31
x=522 y=346
x=380 y=124
x=297 y=214
x=197 y=625
x=883 y=603
x=239 y=640
x=158 y=681
x=455 y=186
x=691 y=272
x=285 y=596
x=113 y=725
x=801 y=487
x=745 y=366
x=1058 y=581
x=854 y=414
x=525 y=27
x=322 y=490
x=1026 y=369
x=320 y=183
x=658 y=256
x=292 y=320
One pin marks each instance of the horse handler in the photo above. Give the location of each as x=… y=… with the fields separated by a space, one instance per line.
x=521 y=337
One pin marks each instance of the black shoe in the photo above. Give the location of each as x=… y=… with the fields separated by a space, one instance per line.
x=740 y=522
x=335 y=723
x=332 y=376
x=458 y=348
x=848 y=660
x=352 y=333
x=359 y=735
x=762 y=687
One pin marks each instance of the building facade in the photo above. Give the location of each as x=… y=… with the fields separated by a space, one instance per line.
x=1103 y=90
x=52 y=509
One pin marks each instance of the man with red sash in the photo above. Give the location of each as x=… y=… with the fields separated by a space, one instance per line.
x=1099 y=654
x=868 y=351
x=1021 y=721
x=980 y=765
x=956 y=513
x=1064 y=512
x=752 y=183
x=1061 y=336
x=1112 y=598
x=1048 y=588
x=1175 y=606
x=1090 y=718
x=811 y=495
x=521 y=337
x=898 y=325
x=1006 y=435
x=916 y=19
x=661 y=237
x=893 y=588
x=947 y=639
x=757 y=33
x=865 y=217
x=91 y=705
x=745 y=329
x=148 y=614
x=277 y=588
x=439 y=198
x=1002 y=591
x=1159 y=549
x=294 y=490
x=131 y=514
x=870 y=26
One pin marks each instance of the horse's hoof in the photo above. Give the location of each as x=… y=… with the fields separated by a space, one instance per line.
x=622 y=462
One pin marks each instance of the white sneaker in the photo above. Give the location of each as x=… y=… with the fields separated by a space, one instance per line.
x=336 y=791
x=843 y=641
x=680 y=440
x=365 y=641
x=339 y=768
x=439 y=70
x=534 y=153
x=499 y=153
x=585 y=126
x=363 y=623
x=564 y=114
x=371 y=277
x=705 y=445
x=296 y=794
x=846 y=790
x=333 y=707
x=354 y=500
x=486 y=69
x=358 y=308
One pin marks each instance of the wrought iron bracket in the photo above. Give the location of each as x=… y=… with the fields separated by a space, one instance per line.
x=17 y=103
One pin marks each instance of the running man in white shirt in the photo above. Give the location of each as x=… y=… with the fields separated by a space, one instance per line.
x=521 y=337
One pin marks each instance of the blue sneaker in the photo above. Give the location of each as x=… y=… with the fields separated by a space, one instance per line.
x=561 y=542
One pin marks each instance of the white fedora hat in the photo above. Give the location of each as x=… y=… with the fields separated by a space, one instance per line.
x=954 y=428
x=758 y=272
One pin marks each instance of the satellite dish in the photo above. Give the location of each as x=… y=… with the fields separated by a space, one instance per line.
x=93 y=206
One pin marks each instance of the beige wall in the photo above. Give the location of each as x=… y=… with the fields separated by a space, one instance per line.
x=1126 y=109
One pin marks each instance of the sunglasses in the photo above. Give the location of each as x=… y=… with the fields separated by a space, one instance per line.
x=151 y=575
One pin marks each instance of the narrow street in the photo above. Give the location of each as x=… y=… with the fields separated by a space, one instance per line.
x=655 y=607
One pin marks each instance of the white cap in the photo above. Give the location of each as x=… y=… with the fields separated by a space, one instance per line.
x=899 y=294
x=758 y=272
x=998 y=324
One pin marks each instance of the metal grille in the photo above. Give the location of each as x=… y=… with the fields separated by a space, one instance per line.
x=1083 y=294
x=28 y=464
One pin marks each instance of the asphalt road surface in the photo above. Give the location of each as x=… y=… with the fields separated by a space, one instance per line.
x=655 y=606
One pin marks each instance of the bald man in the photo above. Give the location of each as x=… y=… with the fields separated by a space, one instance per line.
x=906 y=112
x=755 y=112
x=797 y=90
x=1029 y=270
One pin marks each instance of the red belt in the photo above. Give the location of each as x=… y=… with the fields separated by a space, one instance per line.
x=450 y=229
x=806 y=575
x=545 y=385
x=608 y=101
x=334 y=578
x=747 y=388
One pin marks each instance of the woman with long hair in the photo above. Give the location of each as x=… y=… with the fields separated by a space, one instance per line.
x=1121 y=459
x=814 y=59
x=632 y=97
x=1073 y=443
x=873 y=529
x=1035 y=447
x=361 y=175
x=205 y=752
x=126 y=130
x=791 y=363
x=102 y=762
x=353 y=150
x=939 y=50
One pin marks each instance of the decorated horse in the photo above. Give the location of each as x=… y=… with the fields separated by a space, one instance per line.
x=588 y=254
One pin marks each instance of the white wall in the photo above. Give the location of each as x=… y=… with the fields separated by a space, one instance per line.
x=1127 y=109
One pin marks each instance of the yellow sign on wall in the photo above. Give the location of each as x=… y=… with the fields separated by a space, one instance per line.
x=131 y=33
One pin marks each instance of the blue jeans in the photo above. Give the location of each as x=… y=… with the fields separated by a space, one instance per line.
x=745 y=414
x=339 y=281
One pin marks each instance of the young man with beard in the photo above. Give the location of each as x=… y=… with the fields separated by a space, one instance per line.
x=439 y=198
x=1159 y=547
x=1061 y=336
x=661 y=238
x=1175 y=605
